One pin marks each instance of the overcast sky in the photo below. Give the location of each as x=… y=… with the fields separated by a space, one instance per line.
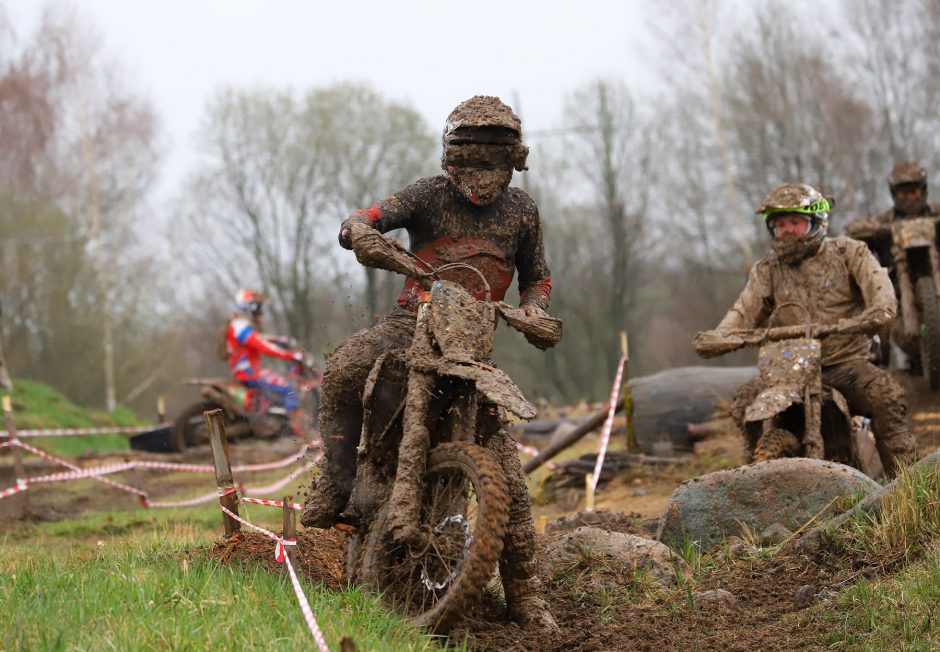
x=432 y=54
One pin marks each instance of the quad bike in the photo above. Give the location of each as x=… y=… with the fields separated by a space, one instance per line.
x=248 y=413
x=430 y=503
x=910 y=247
x=795 y=414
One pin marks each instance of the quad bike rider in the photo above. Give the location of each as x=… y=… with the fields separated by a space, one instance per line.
x=833 y=283
x=905 y=239
x=262 y=402
x=470 y=220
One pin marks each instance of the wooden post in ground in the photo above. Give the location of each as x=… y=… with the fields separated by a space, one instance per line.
x=228 y=498
x=138 y=482
x=18 y=470
x=161 y=409
x=289 y=530
x=627 y=392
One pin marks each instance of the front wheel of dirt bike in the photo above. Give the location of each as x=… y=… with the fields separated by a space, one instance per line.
x=464 y=511
x=926 y=296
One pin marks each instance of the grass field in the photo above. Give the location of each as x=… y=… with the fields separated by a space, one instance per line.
x=36 y=405
x=132 y=581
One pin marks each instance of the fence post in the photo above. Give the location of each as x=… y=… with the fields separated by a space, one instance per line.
x=627 y=393
x=228 y=498
x=161 y=409
x=289 y=529
x=18 y=469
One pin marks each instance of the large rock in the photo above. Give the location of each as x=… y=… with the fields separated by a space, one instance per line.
x=627 y=549
x=788 y=491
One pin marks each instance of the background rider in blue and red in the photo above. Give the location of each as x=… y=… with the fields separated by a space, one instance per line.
x=470 y=215
x=246 y=344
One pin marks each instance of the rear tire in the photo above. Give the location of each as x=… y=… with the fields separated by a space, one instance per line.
x=465 y=511
x=926 y=296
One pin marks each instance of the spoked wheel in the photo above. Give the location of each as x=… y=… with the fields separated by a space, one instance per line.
x=464 y=513
x=926 y=296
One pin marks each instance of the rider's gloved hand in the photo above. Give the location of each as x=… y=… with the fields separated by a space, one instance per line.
x=298 y=356
x=345 y=236
x=709 y=344
x=533 y=310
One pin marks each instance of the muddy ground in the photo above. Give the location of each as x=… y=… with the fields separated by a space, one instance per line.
x=625 y=617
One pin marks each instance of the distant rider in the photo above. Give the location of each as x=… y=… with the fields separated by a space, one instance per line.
x=832 y=281
x=245 y=344
x=470 y=215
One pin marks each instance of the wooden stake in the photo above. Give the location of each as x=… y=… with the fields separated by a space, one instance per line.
x=290 y=530
x=543 y=521
x=161 y=408
x=18 y=470
x=627 y=392
x=215 y=421
x=589 y=492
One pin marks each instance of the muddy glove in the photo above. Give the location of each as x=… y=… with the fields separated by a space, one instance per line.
x=709 y=344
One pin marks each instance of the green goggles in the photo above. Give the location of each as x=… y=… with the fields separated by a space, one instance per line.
x=819 y=206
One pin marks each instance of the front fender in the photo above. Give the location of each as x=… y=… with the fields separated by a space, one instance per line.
x=494 y=384
x=772 y=401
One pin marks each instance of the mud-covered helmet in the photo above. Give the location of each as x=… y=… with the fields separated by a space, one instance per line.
x=482 y=145
x=798 y=198
x=249 y=302
x=907 y=172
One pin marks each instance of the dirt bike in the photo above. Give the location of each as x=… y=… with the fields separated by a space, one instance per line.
x=248 y=415
x=912 y=243
x=795 y=414
x=430 y=501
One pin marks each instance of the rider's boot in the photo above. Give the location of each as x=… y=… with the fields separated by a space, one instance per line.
x=339 y=426
x=517 y=566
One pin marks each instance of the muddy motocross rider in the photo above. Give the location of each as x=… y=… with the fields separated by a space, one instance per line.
x=908 y=185
x=837 y=281
x=468 y=214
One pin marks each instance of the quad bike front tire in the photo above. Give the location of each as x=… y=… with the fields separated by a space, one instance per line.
x=464 y=512
x=926 y=296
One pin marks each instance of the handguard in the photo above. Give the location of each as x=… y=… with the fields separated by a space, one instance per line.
x=373 y=249
x=542 y=332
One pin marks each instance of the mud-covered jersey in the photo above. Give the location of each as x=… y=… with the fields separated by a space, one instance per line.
x=446 y=228
x=245 y=346
x=841 y=281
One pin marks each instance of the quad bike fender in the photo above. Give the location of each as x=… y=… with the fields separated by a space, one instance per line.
x=222 y=398
x=772 y=401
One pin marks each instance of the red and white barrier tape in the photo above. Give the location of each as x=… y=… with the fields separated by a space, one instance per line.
x=282 y=557
x=84 y=473
x=271 y=503
x=608 y=423
x=58 y=460
x=198 y=500
x=15 y=489
x=528 y=450
x=76 y=432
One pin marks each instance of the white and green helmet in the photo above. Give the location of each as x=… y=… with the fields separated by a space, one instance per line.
x=800 y=199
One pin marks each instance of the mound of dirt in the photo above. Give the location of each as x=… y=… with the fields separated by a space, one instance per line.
x=634 y=618
x=320 y=554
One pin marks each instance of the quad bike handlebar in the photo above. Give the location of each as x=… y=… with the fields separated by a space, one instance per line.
x=373 y=249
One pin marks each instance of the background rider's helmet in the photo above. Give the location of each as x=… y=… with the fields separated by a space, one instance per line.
x=908 y=173
x=802 y=199
x=482 y=145
x=249 y=302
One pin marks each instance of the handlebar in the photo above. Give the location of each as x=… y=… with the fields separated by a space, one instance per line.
x=375 y=250
x=709 y=344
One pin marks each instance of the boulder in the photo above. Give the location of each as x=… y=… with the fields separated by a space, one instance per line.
x=788 y=491
x=627 y=549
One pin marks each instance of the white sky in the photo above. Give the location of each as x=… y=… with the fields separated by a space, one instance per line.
x=432 y=54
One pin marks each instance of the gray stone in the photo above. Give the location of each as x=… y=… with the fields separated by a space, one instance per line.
x=627 y=549
x=714 y=599
x=788 y=491
x=774 y=534
x=804 y=597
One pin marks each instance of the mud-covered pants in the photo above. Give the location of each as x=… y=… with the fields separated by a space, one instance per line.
x=341 y=426
x=870 y=391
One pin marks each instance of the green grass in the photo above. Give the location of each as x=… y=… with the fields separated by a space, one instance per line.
x=130 y=581
x=894 y=613
x=36 y=405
